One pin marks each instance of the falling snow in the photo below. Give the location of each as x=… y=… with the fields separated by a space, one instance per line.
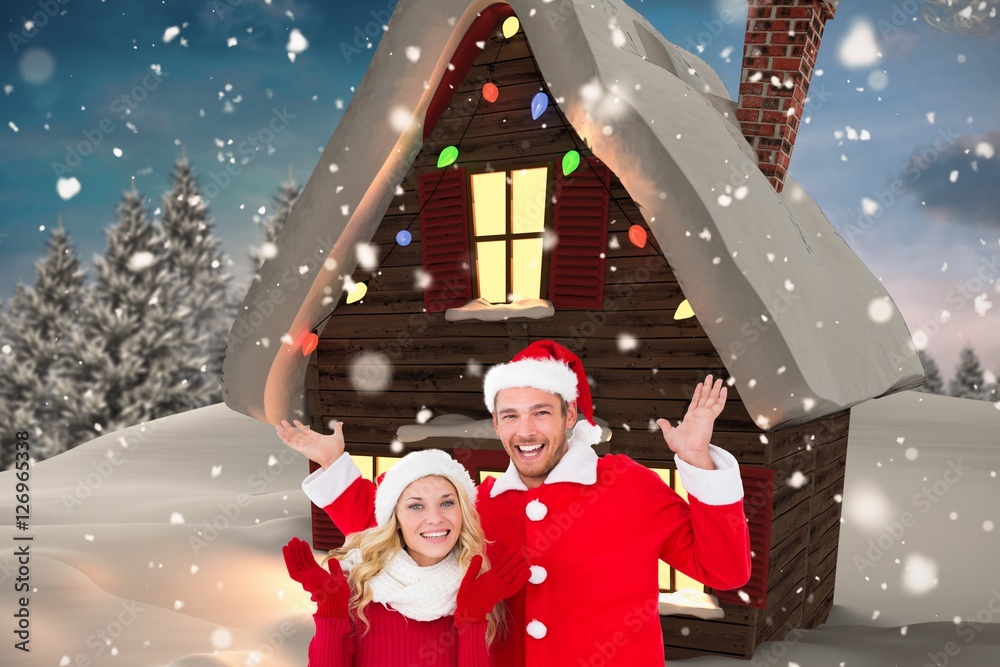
x=859 y=47
x=627 y=342
x=371 y=372
x=920 y=574
x=297 y=43
x=982 y=304
x=68 y=187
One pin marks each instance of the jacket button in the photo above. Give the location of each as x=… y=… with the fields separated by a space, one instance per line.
x=538 y=574
x=537 y=629
x=536 y=510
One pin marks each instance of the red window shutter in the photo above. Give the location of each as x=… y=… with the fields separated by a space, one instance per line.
x=758 y=501
x=478 y=460
x=326 y=535
x=444 y=239
x=580 y=222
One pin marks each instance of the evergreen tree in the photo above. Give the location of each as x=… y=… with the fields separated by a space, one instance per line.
x=284 y=200
x=193 y=256
x=992 y=390
x=968 y=380
x=132 y=351
x=34 y=339
x=934 y=383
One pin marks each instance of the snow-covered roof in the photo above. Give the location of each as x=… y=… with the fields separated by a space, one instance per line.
x=782 y=297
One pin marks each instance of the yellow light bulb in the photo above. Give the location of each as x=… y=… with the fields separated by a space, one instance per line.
x=684 y=311
x=510 y=27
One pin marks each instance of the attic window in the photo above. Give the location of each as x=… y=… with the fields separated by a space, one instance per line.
x=485 y=238
x=508 y=222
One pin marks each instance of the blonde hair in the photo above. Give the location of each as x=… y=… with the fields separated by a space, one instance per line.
x=381 y=544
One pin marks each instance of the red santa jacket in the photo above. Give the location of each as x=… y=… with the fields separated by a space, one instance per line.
x=392 y=640
x=593 y=533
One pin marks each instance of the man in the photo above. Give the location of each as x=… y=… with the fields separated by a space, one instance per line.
x=592 y=528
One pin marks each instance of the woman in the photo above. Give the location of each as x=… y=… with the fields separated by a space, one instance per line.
x=414 y=592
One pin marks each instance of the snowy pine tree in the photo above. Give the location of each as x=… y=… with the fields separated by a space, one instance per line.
x=284 y=200
x=194 y=257
x=934 y=383
x=968 y=380
x=131 y=355
x=34 y=339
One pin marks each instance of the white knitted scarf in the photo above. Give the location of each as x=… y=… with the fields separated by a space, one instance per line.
x=418 y=593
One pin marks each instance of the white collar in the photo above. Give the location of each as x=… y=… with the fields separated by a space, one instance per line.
x=578 y=464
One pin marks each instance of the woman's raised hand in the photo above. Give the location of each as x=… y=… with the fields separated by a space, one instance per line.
x=330 y=590
x=323 y=449
x=478 y=594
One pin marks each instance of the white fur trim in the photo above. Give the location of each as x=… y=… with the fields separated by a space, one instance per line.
x=508 y=481
x=536 y=629
x=324 y=486
x=578 y=465
x=412 y=467
x=536 y=510
x=538 y=574
x=721 y=486
x=546 y=374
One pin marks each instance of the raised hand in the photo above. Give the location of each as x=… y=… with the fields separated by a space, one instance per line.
x=690 y=439
x=330 y=590
x=323 y=449
x=478 y=594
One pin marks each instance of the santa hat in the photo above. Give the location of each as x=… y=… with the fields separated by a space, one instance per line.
x=412 y=467
x=545 y=365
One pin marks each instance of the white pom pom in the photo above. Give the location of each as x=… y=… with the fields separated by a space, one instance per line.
x=535 y=510
x=538 y=574
x=537 y=629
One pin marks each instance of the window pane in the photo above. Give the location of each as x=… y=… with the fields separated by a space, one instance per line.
x=527 y=268
x=679 y=488
x=528 y=199
x=491 y=262
x=367 y=465
x=483 y=474
x=383 y=463
x=664 y=576
x=489 y=203
x=684 y=581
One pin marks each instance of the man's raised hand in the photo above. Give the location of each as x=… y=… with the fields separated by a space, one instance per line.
x=323 y=449
x=690 y=439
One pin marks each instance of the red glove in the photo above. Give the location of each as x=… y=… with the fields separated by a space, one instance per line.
x=479 y=594
x=330 y=590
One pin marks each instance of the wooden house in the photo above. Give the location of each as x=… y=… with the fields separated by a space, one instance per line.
x=680 y=195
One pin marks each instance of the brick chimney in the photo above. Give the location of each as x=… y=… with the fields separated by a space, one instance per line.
x=779 y=55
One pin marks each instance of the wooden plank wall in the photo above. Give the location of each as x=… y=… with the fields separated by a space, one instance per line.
x=806 y=526
x=438 y=365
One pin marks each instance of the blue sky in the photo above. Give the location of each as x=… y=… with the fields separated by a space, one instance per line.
x=897 y=150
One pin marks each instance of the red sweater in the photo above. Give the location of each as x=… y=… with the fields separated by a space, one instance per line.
x=393 y=640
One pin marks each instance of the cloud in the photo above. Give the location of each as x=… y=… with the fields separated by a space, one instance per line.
x=959 y=184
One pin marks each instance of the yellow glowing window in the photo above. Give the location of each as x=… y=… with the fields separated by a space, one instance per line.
x=508 y=221
x=367 y=465
x=484 y=474
x=671 y=579
x=383 y=463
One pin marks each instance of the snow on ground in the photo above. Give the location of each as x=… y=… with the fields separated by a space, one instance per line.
x=160 y=546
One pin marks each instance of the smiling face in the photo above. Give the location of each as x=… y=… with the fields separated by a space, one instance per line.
x=532 y=426
x=430 y=519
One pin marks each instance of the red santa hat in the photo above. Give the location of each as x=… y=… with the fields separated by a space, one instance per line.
x=545 y=365
x=412 y=467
